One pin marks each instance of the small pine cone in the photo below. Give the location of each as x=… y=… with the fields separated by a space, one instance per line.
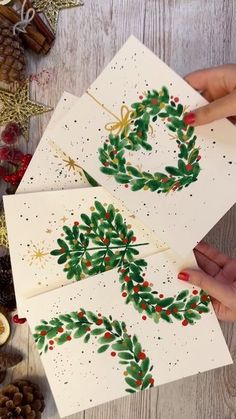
x=7 y=297
x=21 y=399
x=12 y=59
x=5 y=271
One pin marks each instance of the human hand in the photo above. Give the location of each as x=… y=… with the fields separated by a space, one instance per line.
x=217 y=278
x=218 y=86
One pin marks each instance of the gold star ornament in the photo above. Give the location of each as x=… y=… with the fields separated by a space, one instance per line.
x=3 y=231
x=17 y=107
x=51 y=9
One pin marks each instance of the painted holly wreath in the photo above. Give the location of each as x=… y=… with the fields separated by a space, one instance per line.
x=130 y=133
x=98 y=242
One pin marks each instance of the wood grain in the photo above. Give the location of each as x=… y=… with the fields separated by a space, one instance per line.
x=187 y=34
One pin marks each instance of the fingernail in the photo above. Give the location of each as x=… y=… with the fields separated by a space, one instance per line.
x=183 y=276
x=190 y=118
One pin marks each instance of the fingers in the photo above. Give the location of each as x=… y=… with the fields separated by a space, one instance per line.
x=206 y=264
x=220 y=108
x=220 y=291
x=213 y=254
x=199 y=79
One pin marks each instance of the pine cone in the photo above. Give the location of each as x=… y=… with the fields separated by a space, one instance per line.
x=7 y=297
x=21 y=399
x=12 y=59
x=5 y=271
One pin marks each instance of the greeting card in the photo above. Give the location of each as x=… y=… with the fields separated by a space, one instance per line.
x=51 y=168
x=128 y=132
x=97 y=345
x=86 y=231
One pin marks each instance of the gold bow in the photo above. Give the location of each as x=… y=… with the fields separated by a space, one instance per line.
x=122 y=124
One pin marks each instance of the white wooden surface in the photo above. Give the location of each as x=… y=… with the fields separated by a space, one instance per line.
x=187 y=35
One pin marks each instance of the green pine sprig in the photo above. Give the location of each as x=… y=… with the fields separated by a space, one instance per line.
x=138 y=291
x=112 y=155
x=99 y=242
x=112 y=335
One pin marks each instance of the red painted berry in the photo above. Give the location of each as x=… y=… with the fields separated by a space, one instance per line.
x=194 y=305
x=107 y=259
x=124 y=294
x=43 y=332
x=164 y=179
x=88 y=329
x=199 y=158
x=99 y=322
x=144 y=317
x=68 y=338
x=125 y=241
x=142 y=355
x=139 y=134
x=161 y=295
x=152 y=381
x=107 y=215
x=122 y=271
x=136 y=289
x=189 y=167
x=108 y=335
x=138 y=383
x=168 y=312
x=50 y=348
x=76 y=223
x=134 y=239
x=106 y=241
x=185 y=322
x=175 y=310
x=51 y=342
x=99 y=314
x=126 y=186
x=81 y=314
x=60 y=330
x=113 y=354
x=195 y=292
x=158 y=309
x=88 y=263
x=143 y=306
x=154 y=102
x=127 y=278
x=204 y=298
x=141 y=97
x=146 y=284
x=176 y=99
x=62 y=250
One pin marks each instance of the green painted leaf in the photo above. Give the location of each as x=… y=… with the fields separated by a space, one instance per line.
x=145 y=365
x=146 y=382
x=87 y=337
x=103 y=348
x=165 y=317
x=125 y=355
x=182 y=295
x=90 y=180
x=165 y=302
x=135 y=172
x=173 y=171
x=122 y=178
x=98 y=331
x=131 y=382
x=81 y=331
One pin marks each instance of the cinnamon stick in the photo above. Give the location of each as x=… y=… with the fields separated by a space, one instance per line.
x=39 y=23
x=34 y=39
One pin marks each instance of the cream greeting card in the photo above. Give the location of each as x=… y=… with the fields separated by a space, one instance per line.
x=122 y=332
x=50 y=167
x=86 y=231
x=128 y=132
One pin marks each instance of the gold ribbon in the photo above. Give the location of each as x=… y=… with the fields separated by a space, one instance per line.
x=121 y=124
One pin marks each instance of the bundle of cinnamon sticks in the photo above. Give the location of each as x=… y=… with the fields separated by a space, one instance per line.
x=38 y=36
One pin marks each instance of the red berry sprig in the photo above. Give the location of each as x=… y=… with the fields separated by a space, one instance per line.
x=11 y=133
x=15 y=157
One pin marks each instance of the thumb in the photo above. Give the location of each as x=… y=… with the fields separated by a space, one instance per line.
x=218 y=290
x=220 y=108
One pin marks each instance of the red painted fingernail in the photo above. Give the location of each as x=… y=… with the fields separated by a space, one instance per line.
x=184 y=276
x=190 y=118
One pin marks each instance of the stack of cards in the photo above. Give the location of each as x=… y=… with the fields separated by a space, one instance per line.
x=95 y=268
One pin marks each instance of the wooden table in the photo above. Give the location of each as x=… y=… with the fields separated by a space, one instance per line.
x=187 y=35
